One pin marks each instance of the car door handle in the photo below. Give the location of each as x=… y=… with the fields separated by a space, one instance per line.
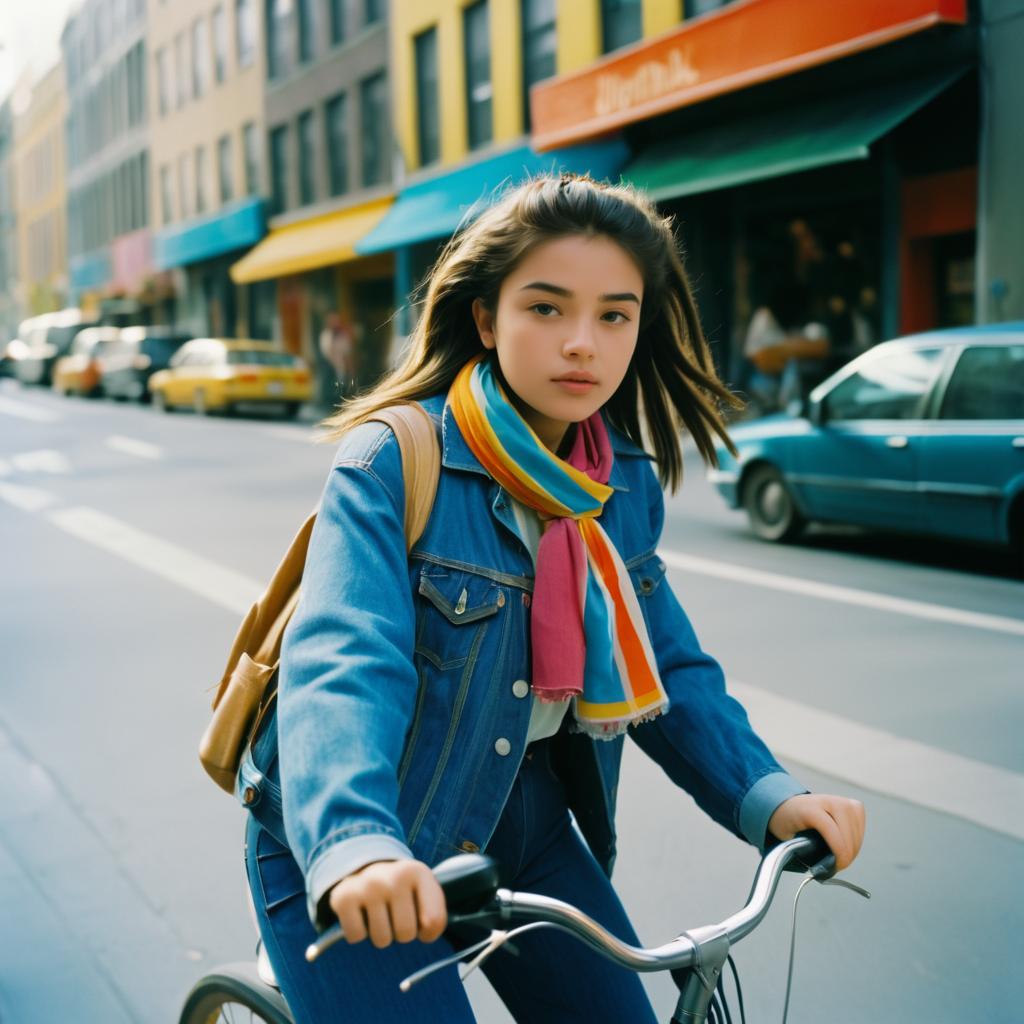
x=1018 y=442
x=898 y=441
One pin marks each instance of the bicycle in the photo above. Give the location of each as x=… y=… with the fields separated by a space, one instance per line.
x=696 y=959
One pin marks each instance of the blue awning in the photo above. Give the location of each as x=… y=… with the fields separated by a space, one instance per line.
x=436 y=207
x=91 y=271
x=235 y=226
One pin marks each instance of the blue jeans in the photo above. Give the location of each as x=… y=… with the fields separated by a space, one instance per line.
x=551 y=977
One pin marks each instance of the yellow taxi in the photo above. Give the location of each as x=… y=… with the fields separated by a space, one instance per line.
x=226 y=375
x=78 y=372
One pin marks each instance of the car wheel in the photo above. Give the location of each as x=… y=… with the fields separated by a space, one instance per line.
x=160 y=402
x=199 y=403
x=291 y=410
x=769 y=505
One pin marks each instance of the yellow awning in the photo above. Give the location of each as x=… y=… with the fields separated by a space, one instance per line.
x=309 y=244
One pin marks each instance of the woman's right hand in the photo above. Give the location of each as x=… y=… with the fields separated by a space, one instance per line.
x=390 y=901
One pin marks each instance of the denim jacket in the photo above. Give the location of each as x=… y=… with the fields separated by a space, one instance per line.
x=402 y=707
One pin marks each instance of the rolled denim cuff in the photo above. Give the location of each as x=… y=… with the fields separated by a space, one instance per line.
x=762 y=800
x=339 y=860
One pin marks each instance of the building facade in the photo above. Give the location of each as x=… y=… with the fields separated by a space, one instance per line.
x=109 y=242
x=12 y=310
x=41 y=197
x=206 y=74
x=330 y=159
x=827 y=169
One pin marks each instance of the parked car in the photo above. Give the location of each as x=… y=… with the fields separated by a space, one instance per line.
x=78 y=372
x=222 y=375
x=46 y=338
x=924 y=434
x=126 y=366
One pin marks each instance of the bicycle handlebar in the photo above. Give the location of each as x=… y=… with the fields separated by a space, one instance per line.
x=471 y=889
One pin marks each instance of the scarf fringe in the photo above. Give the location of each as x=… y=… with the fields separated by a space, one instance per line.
x=612 y=730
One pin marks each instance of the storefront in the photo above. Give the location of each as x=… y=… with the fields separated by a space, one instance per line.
x=199 y=254
x=329 y=305
x=825 y=168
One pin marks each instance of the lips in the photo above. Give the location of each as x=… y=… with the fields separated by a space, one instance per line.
x=579 y=378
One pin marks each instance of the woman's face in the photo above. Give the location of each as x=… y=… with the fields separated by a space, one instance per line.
x=565 y=330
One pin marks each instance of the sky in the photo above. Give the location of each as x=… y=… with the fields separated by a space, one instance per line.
x=29 y=37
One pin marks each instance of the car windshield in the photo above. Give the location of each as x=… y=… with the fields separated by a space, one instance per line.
x=159 y=349
x=260 y=357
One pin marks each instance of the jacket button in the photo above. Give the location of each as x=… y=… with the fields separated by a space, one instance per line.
x=248 y=795
x=520 y=688
x=502 y=747
x=468 y=846
x=501 y=599
x=526 y=600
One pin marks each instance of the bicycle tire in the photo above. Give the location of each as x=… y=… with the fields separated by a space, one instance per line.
x=235 y=985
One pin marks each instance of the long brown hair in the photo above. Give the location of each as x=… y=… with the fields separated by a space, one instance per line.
x=671 y=381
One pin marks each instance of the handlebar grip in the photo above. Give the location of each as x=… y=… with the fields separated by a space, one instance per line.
x=819 y=861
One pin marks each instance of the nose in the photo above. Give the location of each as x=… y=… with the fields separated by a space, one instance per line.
x=580 y=342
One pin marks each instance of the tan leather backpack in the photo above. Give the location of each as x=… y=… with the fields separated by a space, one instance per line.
x=248 y=687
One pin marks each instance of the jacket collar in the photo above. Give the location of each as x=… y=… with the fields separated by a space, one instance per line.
x=456 y=453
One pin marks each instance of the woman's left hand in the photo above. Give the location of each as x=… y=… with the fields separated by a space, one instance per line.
x=838 y=820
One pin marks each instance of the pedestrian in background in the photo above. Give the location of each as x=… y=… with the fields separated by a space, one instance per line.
x=470 y=695
x=337 y=346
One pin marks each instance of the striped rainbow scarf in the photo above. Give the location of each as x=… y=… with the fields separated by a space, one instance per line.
x=587 y=631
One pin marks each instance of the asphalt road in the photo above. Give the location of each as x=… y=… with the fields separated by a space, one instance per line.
x=131 y=542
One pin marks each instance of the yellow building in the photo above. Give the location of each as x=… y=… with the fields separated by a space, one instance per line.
x=206 y=99
x=461 y=74
x=41 y=192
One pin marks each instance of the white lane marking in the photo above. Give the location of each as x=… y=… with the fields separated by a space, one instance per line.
x=46 y=460
x=217 y=584
x=5 y=469
x=131 y=446
x=30 y=499
x=294 y=434
x=888 y=764
x=847 y=595
x=25 y=411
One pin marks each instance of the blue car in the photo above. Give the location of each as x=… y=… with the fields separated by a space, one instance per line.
x=922 y=435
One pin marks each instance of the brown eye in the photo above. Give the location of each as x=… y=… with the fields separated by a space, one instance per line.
x=543 y=308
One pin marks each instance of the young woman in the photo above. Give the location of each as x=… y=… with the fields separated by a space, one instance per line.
x=470 y=695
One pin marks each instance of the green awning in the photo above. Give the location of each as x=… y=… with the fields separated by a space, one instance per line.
x=798 y=138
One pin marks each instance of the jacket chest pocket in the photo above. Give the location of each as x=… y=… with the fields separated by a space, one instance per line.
x=454 y=610
x=646 y=574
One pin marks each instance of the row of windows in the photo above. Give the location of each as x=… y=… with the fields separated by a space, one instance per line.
x=114 y=105
x=200 y=55
x=294 y=26
x=331 y=159
x=96 y=27
x=113 y=204
x=193 y=174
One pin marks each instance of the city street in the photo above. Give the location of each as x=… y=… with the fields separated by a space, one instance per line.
x=132 y=544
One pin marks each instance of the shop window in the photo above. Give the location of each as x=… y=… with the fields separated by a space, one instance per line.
x=307 y=159
x=245 y=32
x=621 y=23
x=279 y=169
x=224 y=168
x=181 y=69
x=250 y=148
x=540 y=42
x=336 y=128
x=695 y=8
x=183 y=190
x=427 y=102
x=163 y=82
x=374 y=117
x=220 y=44
x=373 y=11
x=476 y=37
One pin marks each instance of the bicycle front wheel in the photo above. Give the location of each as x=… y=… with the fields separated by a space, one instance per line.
x=233 y=993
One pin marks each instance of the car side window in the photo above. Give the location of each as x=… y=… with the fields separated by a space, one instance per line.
x=987 y=384
x=891 y=387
